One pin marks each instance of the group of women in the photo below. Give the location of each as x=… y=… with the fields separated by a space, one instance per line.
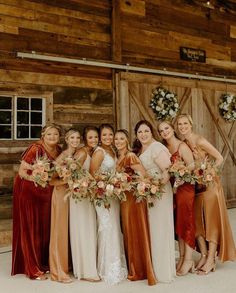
x=128 y=240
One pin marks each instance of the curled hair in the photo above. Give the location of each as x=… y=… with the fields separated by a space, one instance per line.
x=170 y=124
x=46 y=128
x=137 y=144
x=85 y=132
x=185 y=115
x=105 y=126
x=126 y=133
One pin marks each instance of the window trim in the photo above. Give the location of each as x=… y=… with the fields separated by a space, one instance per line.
x=47 y=114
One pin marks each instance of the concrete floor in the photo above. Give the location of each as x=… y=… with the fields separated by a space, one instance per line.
x=222 y=281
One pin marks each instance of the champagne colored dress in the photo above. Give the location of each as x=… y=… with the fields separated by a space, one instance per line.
x=184 y=210
x=111 y=256
x=211 y=216
x=161 y=220
x=58 y=249
x=136 y=230
x=31 y=219
x=83 y=236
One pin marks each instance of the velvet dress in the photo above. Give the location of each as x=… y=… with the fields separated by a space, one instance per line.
x=31 y=220
x=135 y=228
x=184 y=210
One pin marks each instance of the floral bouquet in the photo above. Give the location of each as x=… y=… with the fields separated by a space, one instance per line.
x=181 y=173
x=205 y=172
x=42 y=171
x=109 y=185
x=78 y=179
x=148 y=189
x=164 y=104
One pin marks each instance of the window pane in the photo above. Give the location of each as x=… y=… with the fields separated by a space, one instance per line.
x=5 y=102
x=5 y=117
x=36 y=104
x=22 y=131
x=22 y=118
x=5 y=131
x=36 y=118
x=36 y=131
x=22 y=104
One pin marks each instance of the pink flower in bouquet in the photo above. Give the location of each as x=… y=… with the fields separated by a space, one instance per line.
x=73 y=166
x=154 y=189
x=109 y=189
x=101 y=185
x=209 y=177
x=84 y=183
x=141 y=187
x=44 y=176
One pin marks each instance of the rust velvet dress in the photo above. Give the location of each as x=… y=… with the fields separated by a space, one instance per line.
x=31 y=221
x=184 y=210
x=211 y=216
x=135 y=230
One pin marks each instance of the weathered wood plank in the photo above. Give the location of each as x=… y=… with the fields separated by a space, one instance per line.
x=9 y=29
x=52 y=79
x=116 y=31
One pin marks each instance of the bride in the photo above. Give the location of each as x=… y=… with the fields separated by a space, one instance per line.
x=111 y=257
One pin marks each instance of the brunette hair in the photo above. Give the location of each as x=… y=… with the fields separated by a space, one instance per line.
x=137 y=144
x=86 y=130
x=105 y=126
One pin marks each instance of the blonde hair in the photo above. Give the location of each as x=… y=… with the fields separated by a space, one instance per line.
x=126 y=133
x=46 y=128
x=185 y=115
x=70 y=132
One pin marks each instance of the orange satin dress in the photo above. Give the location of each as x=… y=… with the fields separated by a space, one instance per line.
x=211 y=216
x=184 y=210
x=59 y=236
x=136 y=231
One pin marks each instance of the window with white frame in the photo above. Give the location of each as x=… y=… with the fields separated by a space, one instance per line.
x=21 y=118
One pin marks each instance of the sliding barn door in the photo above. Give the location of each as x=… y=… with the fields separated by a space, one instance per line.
x=198 y=98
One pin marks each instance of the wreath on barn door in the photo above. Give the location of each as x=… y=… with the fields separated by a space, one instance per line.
x=164 y=104
x=227 y=107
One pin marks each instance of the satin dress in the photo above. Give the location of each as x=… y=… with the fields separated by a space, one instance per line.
x=184 y=210
x=31 y=220
x=211 y=215
x=161 y=220
x=58 y=249
x=134 y=219
x=83 y=236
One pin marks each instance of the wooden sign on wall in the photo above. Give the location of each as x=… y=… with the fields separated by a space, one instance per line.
x=191 y=54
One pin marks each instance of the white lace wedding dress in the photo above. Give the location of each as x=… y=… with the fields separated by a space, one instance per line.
x=111 y=256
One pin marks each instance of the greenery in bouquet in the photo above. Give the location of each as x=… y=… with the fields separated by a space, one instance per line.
x=148 y=189
x=164 y=104
x=181 y=174
x=42 y=171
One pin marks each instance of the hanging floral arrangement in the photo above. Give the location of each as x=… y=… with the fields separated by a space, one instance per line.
x=227 y=107
x=164 y=104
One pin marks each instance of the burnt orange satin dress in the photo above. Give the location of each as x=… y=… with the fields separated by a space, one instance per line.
x=211 y=216
x=136 y=231
x=184 y=210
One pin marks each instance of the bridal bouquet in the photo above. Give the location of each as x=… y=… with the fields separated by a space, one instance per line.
x=181 y=173
x=148 y=189
x=109 y=185
x=78 y=179
x=42 y=171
